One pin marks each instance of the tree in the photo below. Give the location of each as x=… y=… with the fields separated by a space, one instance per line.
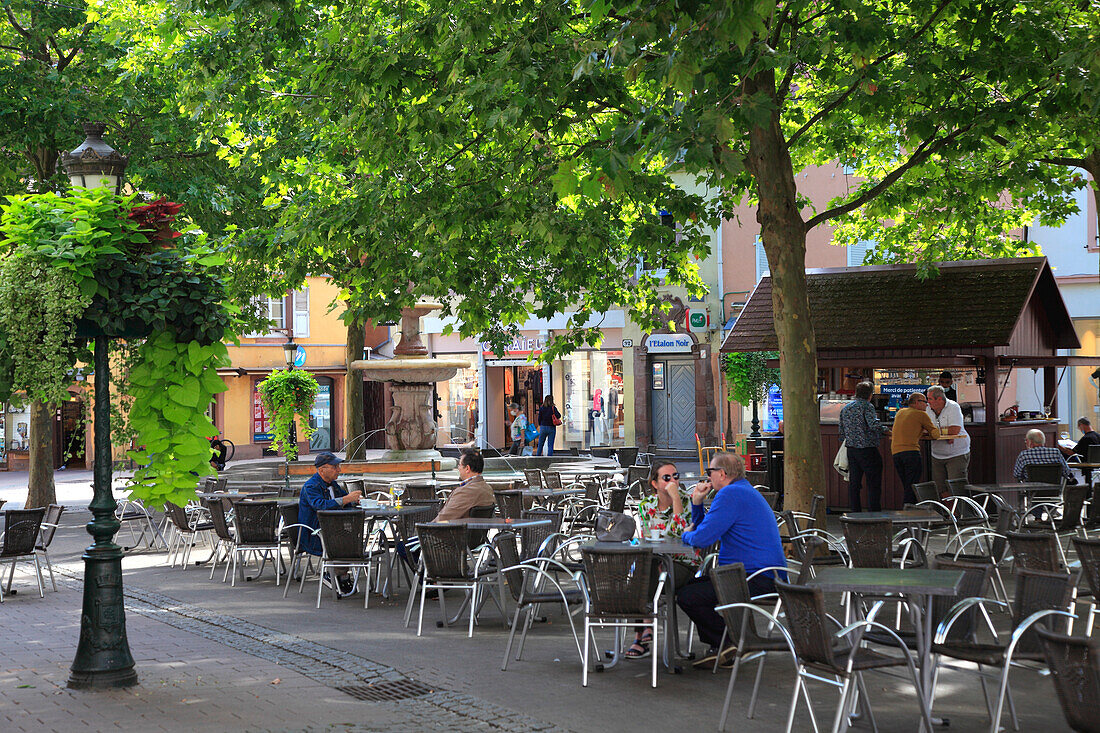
x=749 y=377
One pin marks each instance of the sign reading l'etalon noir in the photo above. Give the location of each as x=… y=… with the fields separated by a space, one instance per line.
x=668 y=343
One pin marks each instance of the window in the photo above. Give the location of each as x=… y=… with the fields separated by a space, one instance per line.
x=762 y=269
x=275 y=310
x=858 y=252
x=301 y=313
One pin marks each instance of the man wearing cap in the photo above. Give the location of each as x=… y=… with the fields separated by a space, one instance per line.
x=322 y=491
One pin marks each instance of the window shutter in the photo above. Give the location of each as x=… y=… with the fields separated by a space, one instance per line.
x=762 y=269
x=301 y=313
x=857 y=252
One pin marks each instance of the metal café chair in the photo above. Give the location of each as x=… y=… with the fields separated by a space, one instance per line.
x=1088 y=552
x=50 y=523
x=188 y=529
x=223 y=533
x=257 y=532
x=533 y=476
x=509 y=503
x=344 y=547
x=626 y=456
x=533 y=539
x=617 y=594
x=552 y=480
x=17 y=542
x=447 y=565
x=131 y=511
x=1074 y=664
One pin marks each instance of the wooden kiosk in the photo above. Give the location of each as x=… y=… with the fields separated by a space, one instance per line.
x=989 y=316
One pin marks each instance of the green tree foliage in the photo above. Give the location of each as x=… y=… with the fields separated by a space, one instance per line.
x=748 y=375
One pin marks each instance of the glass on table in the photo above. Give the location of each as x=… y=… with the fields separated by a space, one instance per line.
x=397 y=490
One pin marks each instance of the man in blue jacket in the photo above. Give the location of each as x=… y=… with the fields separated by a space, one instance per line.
x=741 y=520
x=322 y=491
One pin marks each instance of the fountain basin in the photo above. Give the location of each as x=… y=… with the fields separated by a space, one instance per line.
x=414 y=370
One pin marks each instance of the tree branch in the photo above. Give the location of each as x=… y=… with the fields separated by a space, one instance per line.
x=924 y=151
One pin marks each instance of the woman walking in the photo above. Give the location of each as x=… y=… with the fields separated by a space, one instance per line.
x=549 y=419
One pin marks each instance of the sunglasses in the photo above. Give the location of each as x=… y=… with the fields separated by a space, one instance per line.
x=670 y=476
x=713 y=469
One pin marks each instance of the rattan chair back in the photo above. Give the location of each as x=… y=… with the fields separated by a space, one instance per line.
x=806 y=621
x=509 y=503
x=1073 y=504
x=958 y=487
x=1040 y=591
x=1092 y=455
x=1074 y=663
x=289 y=492
x=443 y=549
x=1043 y=473
x=256 y=522
x=505 y=545
x=342 y=533
x=531 y=538
x=552 y=480
x=772 y=497
x=177 y=515
x=21 y=528
x=619 y=582
x=288 y=513
x=215 y=484
x=1088 y=552
x=533 y=476
x=354 y=484
x=816 y=503
x=405 y=523
x=974 y=581
x=926 y=491
x=626 y=456
x=870 y=541
x=637 y=480
x=616 y=501
x=591 y=489
x=476 y=537
x=49 y=525
x=1035 y=551
x=731 y=586
x=419 y=493
x=217 y=518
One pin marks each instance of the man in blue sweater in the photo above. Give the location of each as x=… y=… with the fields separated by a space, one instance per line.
x=741 y=520
x=322 y=491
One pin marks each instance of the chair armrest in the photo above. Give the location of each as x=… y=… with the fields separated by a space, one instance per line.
x=1026 y=624
x=956 y=611
x=772 y=619
x=866 y=625
x=660 y=589
x=978 y=532
x=536 y=561
x=766 y=569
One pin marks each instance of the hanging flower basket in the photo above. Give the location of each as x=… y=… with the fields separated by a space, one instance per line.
x=284 y=394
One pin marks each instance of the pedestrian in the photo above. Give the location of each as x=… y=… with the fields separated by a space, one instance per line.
x=950 y=458
x=518 y=428
x=860 y=429
x=549 y=419
x=910 y=424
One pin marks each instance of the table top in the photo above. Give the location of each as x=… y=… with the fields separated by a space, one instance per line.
x=239 y=496
x=549 y=493
x=888 y=580
x=900 y=516
x=495 y=523
x=389 y=511
x=1022 y=487
x=671 y=547
x=1082 y=464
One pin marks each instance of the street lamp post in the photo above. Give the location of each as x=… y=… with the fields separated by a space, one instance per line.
x=290 y=353
x=103 y=656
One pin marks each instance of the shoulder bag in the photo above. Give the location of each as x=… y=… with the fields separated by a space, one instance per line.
x=614 y=527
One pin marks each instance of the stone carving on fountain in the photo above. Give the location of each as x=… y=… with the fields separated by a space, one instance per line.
x=411 y=430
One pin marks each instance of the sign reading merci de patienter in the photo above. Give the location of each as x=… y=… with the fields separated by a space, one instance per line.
x=673 y=343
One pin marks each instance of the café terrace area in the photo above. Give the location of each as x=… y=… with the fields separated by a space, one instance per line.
x=228 y=633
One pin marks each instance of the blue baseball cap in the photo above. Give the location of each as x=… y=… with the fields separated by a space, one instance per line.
x=325 y=459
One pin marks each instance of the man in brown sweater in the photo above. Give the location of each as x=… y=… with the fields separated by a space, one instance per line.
x=472 y=492
x=910 y=424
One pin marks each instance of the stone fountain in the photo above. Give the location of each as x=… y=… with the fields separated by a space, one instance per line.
x=411 y=430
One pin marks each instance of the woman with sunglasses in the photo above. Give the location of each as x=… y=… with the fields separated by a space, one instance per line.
x=663 y=507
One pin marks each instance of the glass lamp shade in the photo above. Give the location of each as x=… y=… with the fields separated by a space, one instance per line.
x=94 y=163
x=290 y=349
x=96 y=180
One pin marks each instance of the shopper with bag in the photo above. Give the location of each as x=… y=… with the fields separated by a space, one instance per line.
x=860 y=429
x=549 y=420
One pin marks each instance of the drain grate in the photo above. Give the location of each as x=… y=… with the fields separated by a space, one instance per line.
x=383 y=691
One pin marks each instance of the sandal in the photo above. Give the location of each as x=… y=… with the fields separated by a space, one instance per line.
x=646 y=640
x=637 y=650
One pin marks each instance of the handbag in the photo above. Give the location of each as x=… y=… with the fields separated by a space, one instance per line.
x=556 y=420
x=840 y=463
x=614 y=526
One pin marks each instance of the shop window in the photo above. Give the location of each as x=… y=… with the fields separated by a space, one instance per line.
x=593 y=413
x=457 y=403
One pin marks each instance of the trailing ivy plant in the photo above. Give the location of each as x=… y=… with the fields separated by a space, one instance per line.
x=748 y=375
x=92 y=265
x=286 y=393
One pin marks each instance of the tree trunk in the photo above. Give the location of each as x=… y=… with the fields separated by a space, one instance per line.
x=784 y=235
x=40 y=487
x=355 y=422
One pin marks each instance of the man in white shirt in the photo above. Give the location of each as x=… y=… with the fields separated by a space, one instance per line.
x=950 y=458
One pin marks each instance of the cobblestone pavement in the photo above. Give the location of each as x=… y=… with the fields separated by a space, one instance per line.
x=209 y=671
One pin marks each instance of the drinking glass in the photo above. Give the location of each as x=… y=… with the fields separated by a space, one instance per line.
x=397 y=489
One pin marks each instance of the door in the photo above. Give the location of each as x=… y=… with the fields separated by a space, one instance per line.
x=672 y=403
x=320 y=417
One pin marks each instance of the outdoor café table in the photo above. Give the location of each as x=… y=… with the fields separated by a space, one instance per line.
x=913 y=519
x=912 y=583
x=388 y=513
x=550 y=496
x=1016 y=491
x=668 y=551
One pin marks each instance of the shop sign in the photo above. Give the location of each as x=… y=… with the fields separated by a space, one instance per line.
x=669 y=343
x=519 y=345
x=698 y=320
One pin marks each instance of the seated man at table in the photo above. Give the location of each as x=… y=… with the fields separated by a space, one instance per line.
x=322 y=491
x=1088 y=437
x=740 y=518
x=1037 y=452
x=472 y=492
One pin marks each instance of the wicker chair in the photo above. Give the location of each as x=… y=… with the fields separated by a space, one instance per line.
x=1044 y=473
x=552 y=480
x=444 y=550
x=526 y=581
x=1088 y=552
x=844 y=653
x=256 y=525
x=344 y=548
x=736 y=607
x=478 y=537
x=616 y=501
x=223 y=533
x=215 y=484
x=1035 y=551
x=626 y=456
x=1074 y=664
x=533 y=538
x=288 y=492
x=772 y=497
x=616 y=592
x=21 y=528
x=533 y=476
x=870 y=541
x=50 y=523
x=188 y=528
x=419 y=493
x=509 y=503
x=636 y=480
x=130 y=512
x=1070 y=509
x=926 y=491
x=969 y=544
x=1039 y=595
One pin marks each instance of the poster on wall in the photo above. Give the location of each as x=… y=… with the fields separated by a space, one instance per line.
x=773 y=411
x=261 y=425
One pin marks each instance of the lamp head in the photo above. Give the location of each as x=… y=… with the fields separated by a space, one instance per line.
x=94 y=163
